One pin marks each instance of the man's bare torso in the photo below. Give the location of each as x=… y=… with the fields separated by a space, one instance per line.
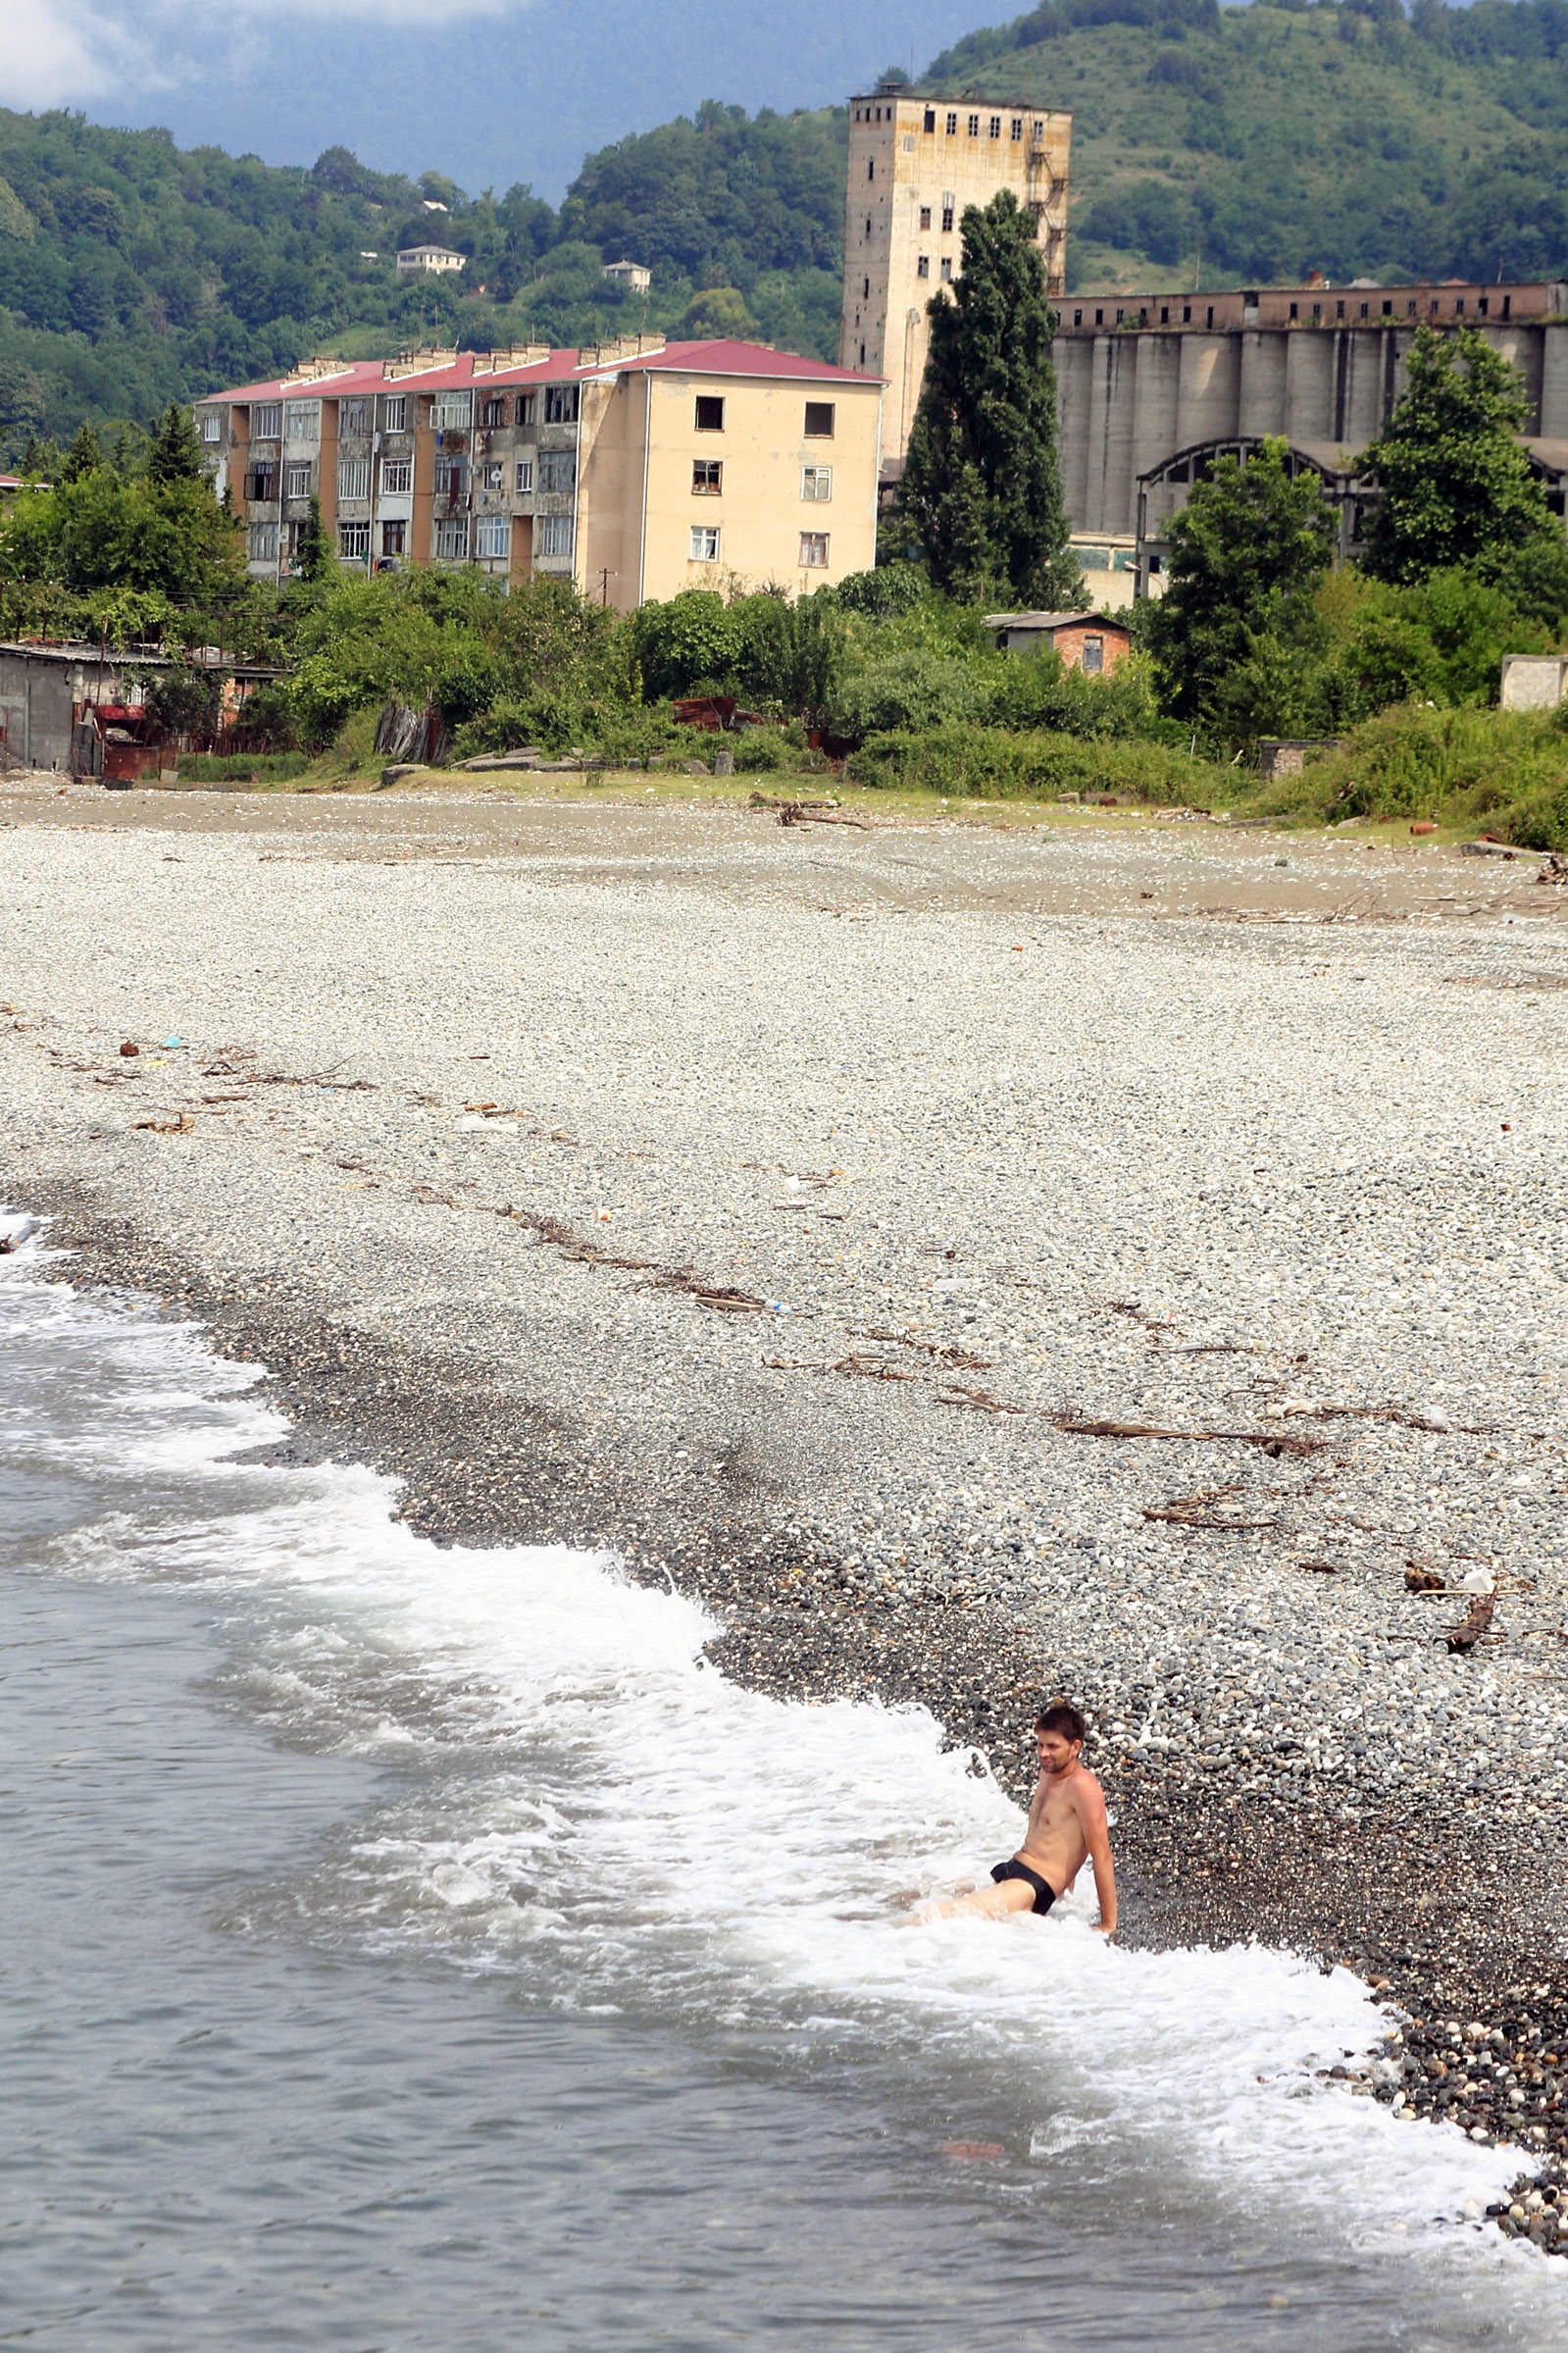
x=1054 y=1844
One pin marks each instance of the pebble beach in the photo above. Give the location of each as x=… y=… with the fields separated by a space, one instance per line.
x=981 y=1260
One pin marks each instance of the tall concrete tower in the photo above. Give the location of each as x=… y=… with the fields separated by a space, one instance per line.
x=914 y=164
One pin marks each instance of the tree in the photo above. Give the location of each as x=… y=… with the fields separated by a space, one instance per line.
x=313 y=556
x=174 y=453
x=84 y=456
x=982 y=486
x=1248 y=550
x=715 y=313
x=1457 y=482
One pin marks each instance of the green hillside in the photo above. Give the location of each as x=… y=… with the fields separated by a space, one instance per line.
x=1242 y=144
x=1251 y=143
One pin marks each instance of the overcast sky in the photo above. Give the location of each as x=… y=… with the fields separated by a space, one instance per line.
x=490 y=91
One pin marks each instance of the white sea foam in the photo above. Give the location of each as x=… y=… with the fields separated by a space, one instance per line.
x=631 y=1830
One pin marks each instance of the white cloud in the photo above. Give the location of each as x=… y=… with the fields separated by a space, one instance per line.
x=65 y=52
x=56 y=53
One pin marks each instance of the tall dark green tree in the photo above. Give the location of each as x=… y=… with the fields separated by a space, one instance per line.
x=982 y=486
x=84 y=456
x=1457 y=482
x=1246 y=553
x=313 y=557
x=174 y=453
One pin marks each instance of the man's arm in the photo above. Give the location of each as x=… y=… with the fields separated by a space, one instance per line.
x=1090 y=1802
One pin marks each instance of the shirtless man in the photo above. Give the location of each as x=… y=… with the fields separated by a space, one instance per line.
x=1067 y=1828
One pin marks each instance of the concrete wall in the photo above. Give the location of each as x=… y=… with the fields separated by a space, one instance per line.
x=1130 y=398
x=760 y=512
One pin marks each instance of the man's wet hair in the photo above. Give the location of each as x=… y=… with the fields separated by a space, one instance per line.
x=1061 y=1717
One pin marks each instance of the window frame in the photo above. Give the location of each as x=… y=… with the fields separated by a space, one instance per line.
x=550 y=464
x=403 y=466
x=351 y=470
x=708 y=412
x=562 y=405
x=489 y=529
x=712 y=467
x=522 y=484
x=302 y=421
x=452 y=529
x=266 y=552
x=212 y=425
x=708 y=551
x=267 y=421
x=394 y=412
x=810 y=559
x=296 y=478
x=562 y=529
x=355 y=554
x=816 y=485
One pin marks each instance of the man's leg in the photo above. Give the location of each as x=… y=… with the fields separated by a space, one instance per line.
x=991 y=1902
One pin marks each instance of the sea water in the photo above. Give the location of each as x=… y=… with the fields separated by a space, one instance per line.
x=405 y=1947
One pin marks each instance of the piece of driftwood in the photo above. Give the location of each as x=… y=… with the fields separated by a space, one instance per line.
x=1475 y=1622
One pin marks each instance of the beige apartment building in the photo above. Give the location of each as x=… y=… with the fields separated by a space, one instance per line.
x=636 y=469
x=915 y=164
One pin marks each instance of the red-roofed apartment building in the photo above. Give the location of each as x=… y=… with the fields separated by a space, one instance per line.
x=636 y=469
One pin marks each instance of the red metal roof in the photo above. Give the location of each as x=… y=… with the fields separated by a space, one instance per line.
x=726 y=357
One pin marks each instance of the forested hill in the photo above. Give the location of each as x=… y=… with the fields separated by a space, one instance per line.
x=1253 y=142
x=1244 y=143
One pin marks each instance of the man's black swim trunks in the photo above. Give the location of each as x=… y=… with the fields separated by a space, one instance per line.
x=1044 y=1896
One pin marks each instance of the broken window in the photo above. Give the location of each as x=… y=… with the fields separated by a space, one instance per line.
x=560 y=404
x=710 y=413
x=302 y=421
x=494 y=413
x=820 y=418
x=706 y=476
x=527 y=407
x=353 y=418
x=558 y=471
x=1093 y=655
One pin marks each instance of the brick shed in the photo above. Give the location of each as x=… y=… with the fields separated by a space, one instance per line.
x=1094 y=642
